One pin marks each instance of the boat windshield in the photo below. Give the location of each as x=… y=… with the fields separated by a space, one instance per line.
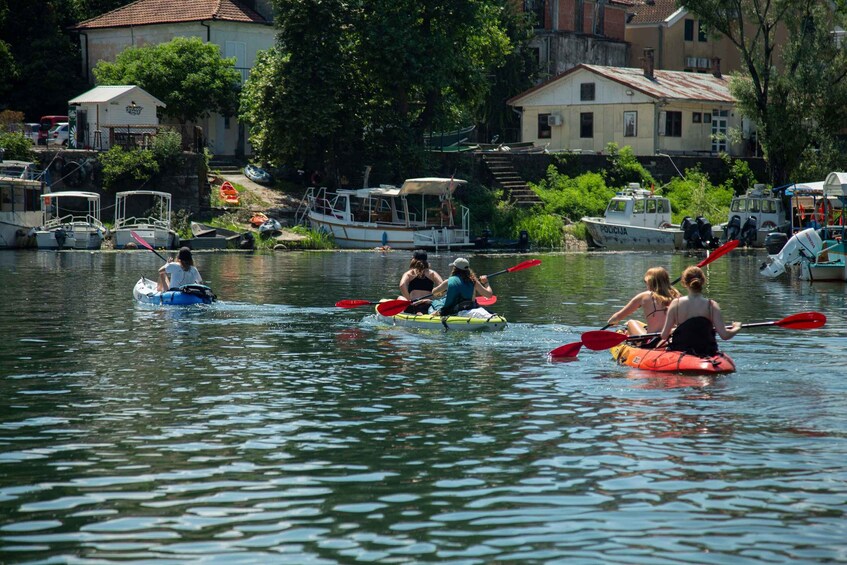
x=638 y=207
x=617 y=206
x=664 y=206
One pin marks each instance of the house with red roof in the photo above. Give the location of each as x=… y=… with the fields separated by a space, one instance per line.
x=653 y=111
x=241 y=28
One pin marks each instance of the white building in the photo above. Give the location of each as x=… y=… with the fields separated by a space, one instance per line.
x=240 y=28
x=112 y=115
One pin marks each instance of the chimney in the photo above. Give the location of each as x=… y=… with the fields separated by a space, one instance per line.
x=716 y=67
x=648 y=61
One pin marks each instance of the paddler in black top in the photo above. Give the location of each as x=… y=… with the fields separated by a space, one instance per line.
x=696 y=319
x=418 y=281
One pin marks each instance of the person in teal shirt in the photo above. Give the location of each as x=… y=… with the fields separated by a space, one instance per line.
x=460 y=289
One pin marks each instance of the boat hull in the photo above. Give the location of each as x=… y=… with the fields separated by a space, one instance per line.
x=447 y=323
x=17 y=229
x=75 y=237
x=360 y=235
x=623 y=236
x=145 y=292
x=154 y=235
x=830 y=264
x=664 y=361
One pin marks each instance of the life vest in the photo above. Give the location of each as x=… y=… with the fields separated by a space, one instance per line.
x=695 y=336
x=802 y=211
x=825 y=214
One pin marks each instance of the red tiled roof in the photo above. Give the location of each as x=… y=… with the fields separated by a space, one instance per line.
x=652 y=11
x=672 y=85
x=149 y=12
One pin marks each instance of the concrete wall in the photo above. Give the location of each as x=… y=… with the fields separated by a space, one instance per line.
x=560 y=51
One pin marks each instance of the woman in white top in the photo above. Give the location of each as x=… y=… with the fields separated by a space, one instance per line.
x=179 y=272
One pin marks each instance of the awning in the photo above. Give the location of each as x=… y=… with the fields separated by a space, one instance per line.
x=835 y=185
x=433 y=185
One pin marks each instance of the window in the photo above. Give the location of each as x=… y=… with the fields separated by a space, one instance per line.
x=664 y=206
x=651 y=206
x=544 y=129
x=689 y=30
x=618 y=206
x=696 y=117
x=707 y=118
x=638 y=206
x=586 y=124
x=630 y=124
x=701 y=32
x=586 y=91
x=673 y=124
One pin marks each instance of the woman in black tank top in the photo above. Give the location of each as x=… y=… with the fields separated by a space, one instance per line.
x=418 y=281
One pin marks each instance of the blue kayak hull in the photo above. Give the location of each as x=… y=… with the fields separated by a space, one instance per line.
x=145 y=293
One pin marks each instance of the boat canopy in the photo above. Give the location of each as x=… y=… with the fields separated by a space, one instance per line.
x=805 y=189
x=72 y=193
x=426 y=186
x=165 y=195
x=835 y=185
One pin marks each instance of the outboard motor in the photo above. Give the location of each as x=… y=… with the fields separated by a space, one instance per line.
x=748 y=232
x=733 y=227
x=707 y=238
x=804 y=246
x=481 y=241
x=690 y=233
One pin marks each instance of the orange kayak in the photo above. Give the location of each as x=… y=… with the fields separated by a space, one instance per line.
x=258 y=219
x=664 y=361
x=229 y=194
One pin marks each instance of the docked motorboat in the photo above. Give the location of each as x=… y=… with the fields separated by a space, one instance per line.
x=257 y=174
x=21 y=186
x=636 y=219
x=819 y=254
x=754 y=215
x=147 y=213
x=70 y=220
x=419 y=214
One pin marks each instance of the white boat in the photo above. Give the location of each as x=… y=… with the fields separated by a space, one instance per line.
x=636 y=219
x=819 y=253
x=420 y=214
x=131 y=207
x=753 y=216
x=70 y=220
x=21 y=186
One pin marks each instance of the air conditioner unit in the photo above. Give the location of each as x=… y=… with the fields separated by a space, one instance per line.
x=554 y=120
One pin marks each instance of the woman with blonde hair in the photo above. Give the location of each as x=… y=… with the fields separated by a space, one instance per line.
x=653 y=302
x=696 y=319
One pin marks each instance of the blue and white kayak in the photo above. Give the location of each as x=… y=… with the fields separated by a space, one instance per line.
x=145 y=292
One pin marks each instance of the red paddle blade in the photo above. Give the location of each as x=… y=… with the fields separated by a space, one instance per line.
x=392 y=307
x=598 y=339
x=483 y=301
x=140 y=240
x=719 y=252
x=524 y=265
x=352 y=303
x=567 y=350
x=802 y=321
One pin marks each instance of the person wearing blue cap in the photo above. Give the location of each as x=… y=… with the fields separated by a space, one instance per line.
x=460 y=289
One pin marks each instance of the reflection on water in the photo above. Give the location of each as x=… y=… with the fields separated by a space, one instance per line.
x=273 y=427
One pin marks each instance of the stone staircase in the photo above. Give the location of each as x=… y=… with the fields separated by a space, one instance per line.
x=225 y=166
x=506 y=177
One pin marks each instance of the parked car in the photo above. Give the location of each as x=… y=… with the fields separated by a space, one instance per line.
x=47 y=123
x=58 y=134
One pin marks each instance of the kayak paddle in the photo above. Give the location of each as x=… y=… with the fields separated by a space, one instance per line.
x=352 y=303
x=393 y=307
x=572 y=349
x=598 y=340
x=143 y=243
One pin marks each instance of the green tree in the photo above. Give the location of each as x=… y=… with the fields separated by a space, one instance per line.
x=40 y=56
x=794 y=91
x=348 y=79
x=189 y=76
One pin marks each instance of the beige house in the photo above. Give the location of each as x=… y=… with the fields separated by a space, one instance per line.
x=240 y=28
x=650 y=110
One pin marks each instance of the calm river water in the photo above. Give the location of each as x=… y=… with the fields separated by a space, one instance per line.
x=274 y=427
